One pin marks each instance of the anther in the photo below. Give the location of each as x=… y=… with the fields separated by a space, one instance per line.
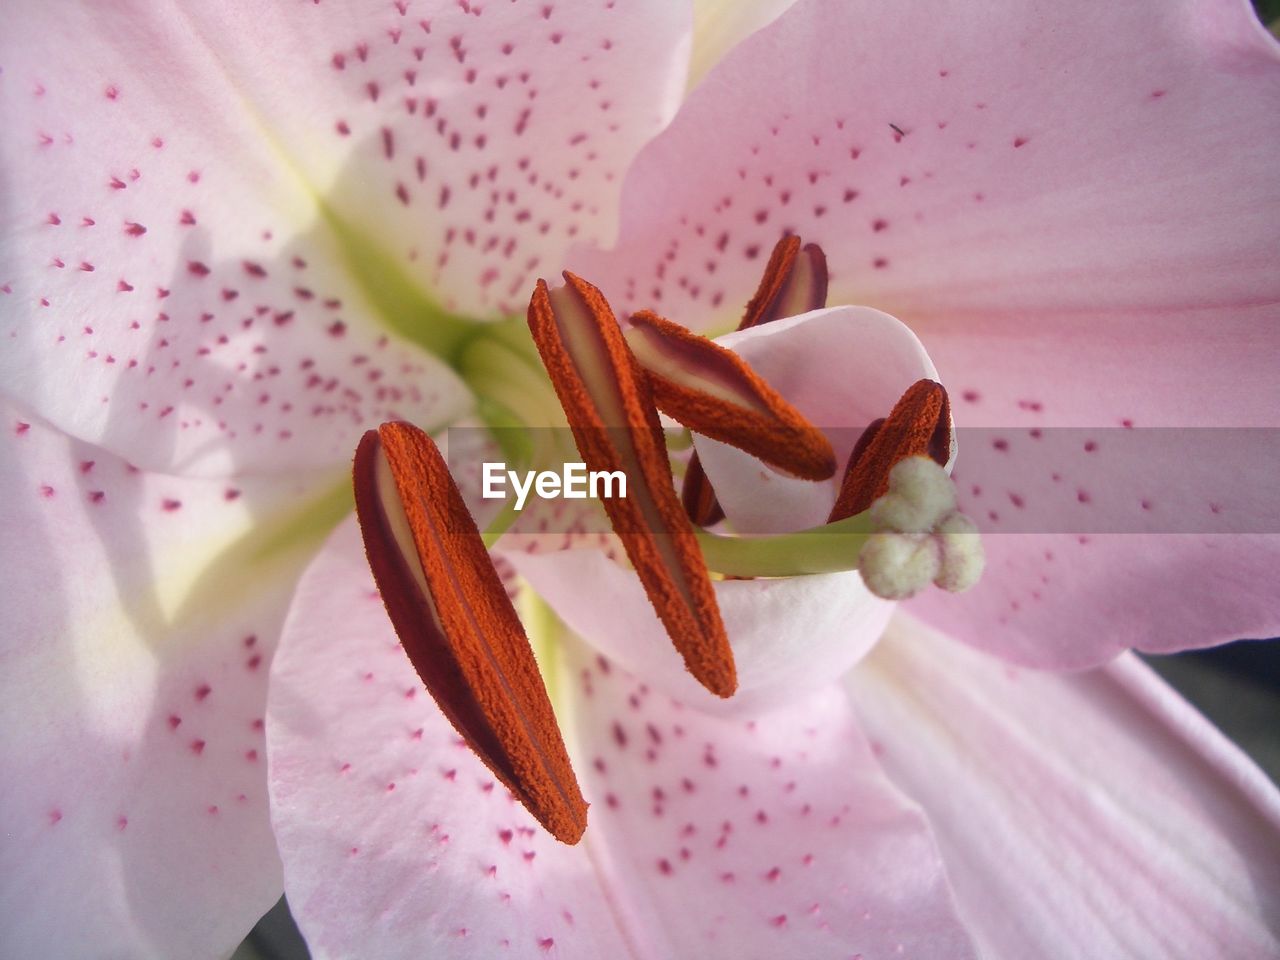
x=794 y=282
x=609 y=404
x=712 y=391
x=919 y=425
x=457 y=624
x=698 y=496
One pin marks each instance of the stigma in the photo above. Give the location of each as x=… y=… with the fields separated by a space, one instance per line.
x=919 y=536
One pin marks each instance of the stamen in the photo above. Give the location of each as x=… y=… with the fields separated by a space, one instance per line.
x=919 y=425
x=609 y=404
x=712 y=391
x=794 y=282
x=698 y=496
x=457 y=624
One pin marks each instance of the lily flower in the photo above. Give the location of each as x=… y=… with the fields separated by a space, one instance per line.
x=168 y=503
x=1067 y=803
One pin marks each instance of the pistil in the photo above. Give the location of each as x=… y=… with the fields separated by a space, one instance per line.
x=910 y=537
x=895 y=519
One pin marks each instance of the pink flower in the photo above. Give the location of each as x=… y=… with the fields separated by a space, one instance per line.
x=189 y=364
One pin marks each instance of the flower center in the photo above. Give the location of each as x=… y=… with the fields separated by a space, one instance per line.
x=894 y=519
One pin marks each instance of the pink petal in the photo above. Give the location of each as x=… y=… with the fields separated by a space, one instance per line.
x=396 y=839
x=1057 y=222
x=1112 y=198
x=1094 y=815
x=1071 y=601
x=879 y=359
x=485 y=138
x=777 y=836
x=790 y=636
x=165 y=262
x=397 y=843
x=1170 y=533
x=188 y=189
x=141 y=613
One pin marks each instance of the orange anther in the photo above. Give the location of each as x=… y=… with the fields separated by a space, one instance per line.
x=457 y=624
x=609 y=405
x=918 y=426
x=712 y=391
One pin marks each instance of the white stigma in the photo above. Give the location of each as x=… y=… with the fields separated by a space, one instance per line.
x=920 y=537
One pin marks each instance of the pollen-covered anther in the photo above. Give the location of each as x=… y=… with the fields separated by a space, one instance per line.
x=457 y=624
x=698 y=496
x=608 y=402
x=919 y=425
x=920 y=537
x=794 y=282
x=712 y=391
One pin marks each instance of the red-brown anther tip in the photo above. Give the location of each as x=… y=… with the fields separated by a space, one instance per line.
x=919 y=425
x=457 y=624
x=775 y=276
x=712 y=391
x=698 y=496
x=818 y=280
x=609 y=405
x=794 y=282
